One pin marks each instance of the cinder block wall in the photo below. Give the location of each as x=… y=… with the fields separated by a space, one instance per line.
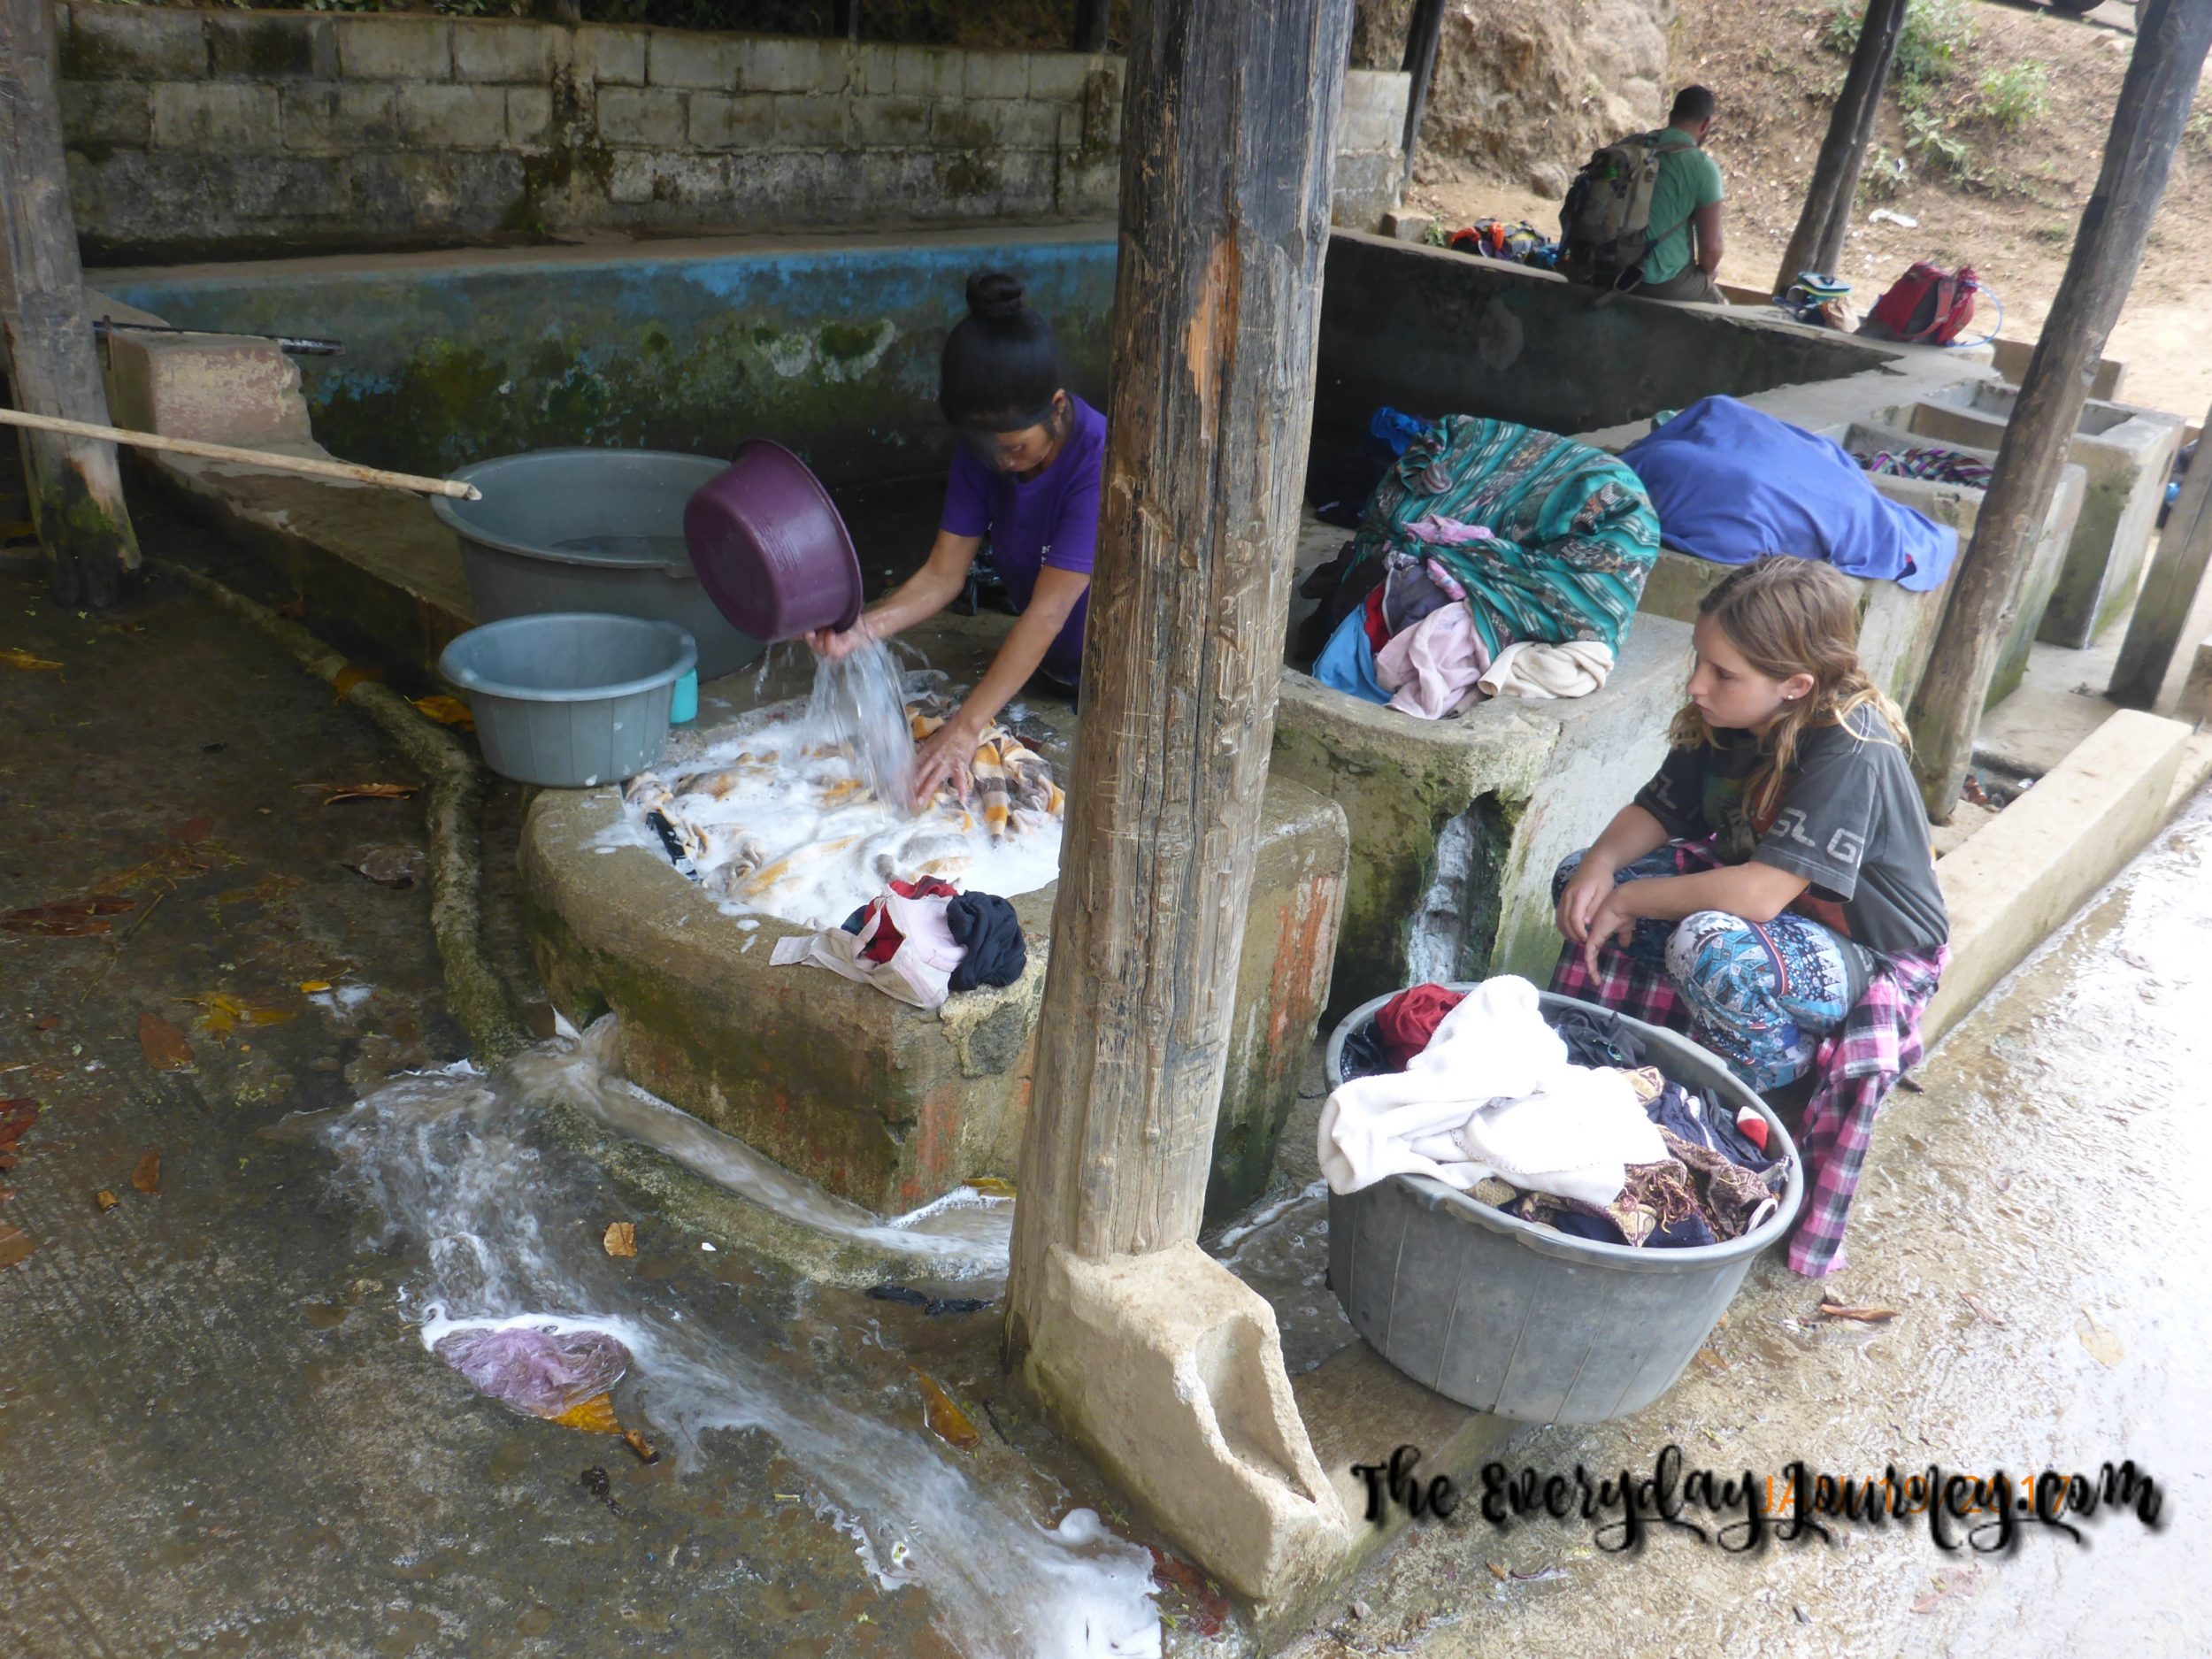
x=209 y=134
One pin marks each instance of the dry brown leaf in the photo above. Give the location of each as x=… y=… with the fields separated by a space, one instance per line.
x=351 y=675
x=192 y=831
x=1497 y=1571
x=448 y=711
x=65 y=918
x=1710 y=1361
x=16 y=1118
x=16 y=656
x=1864 y=1315
x=595 y=1416
x=334 y=793
x=163 y=1044
x=314 y=986
x=106 y=1199
x=947 y=1421
x=644 y=1447
x=620 y=1238
x=993 y=1187
x=147 y=1176
x=15 y=1244
x=1982 y=1310
x=221 y=1015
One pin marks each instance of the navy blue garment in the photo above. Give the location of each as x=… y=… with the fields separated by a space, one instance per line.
x=1732 y=485
x=1595 y=1037
x=986 y=924
x=1712 y=1127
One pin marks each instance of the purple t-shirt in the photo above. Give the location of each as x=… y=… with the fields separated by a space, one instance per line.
x=1051 y=519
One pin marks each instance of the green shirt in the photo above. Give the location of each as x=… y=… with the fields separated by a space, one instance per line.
x=1688 y=179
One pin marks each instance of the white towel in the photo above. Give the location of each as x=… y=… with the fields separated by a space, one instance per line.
x=1528 y=668
x=1493 y=1094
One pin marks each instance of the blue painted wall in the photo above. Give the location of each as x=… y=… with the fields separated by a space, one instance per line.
x=833 y=351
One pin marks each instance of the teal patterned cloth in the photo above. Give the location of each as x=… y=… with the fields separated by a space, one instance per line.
x=1576 y=532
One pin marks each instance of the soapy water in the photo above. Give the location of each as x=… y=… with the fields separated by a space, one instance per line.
x=439 y=1160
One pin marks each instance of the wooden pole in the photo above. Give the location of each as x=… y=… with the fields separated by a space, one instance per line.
x=845 y=19
x=343 y=472
x=1817 y=243
x=1090 y=25
x=1422 y=36
x=1226 y=168
x=2168 y=603
x=2155 y=98
x=76 y=487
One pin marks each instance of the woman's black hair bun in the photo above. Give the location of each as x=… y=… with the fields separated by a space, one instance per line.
x=993 y=296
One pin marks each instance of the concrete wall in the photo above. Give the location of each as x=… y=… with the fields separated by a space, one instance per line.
x=200 y=134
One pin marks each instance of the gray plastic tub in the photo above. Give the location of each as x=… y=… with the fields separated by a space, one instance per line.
x=1508 y=1317
x=599 y=530
x=572 y=699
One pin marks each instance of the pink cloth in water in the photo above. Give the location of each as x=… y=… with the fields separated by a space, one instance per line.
x=1432 y=667
x=542 y=1372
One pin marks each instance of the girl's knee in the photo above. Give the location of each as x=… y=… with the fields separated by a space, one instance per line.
x=1705 y=946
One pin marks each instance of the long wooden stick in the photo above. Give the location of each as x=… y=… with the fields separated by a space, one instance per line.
x=345 y=470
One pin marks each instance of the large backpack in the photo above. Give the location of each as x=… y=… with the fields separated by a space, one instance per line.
x=1605 y=222
x=1927 y=306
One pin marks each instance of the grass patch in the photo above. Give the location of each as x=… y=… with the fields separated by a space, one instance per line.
x=2012 y=100
x=1929 y=48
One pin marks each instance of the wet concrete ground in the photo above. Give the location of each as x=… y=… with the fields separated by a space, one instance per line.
x=2036 y=1217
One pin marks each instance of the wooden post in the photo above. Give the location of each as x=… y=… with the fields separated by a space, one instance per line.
x=1227 y=161
x=2168 y=605
x=1427 y=27
x=2155 y=98
x=1817 y=243
x=845 y=19
x=1090 y=25
x=76 y=487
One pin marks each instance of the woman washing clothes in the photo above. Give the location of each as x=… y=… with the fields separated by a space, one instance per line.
x=1026 y=476
x=1773 y=887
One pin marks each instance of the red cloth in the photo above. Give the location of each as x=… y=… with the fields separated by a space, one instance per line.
x=1377 y=630
x=1408 y=1020
x=927 y=887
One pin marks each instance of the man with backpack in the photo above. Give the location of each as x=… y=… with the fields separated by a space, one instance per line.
x=1644 y=215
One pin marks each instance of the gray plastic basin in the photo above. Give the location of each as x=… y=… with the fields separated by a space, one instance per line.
x=571 y=699
x=595 y=530
x=1506 y=1317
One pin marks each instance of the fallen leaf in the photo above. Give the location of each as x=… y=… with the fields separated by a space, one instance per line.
x=15 y=1244
x=16 y=1116
x=16 y=656
x=393 y=866
x=334 y=793
x=193 y=830
x=1957 y=1584
x=267 y=890
x=47 y=1022
x=351 y=675
x=163 y=1044
x=595 y=1416
x=1864 y=1315
x=314 y=987
x=947 y=1421
x=106 y=1199
x=220 y=1014
x=642 y=1447
x=1497 y=1571
x=1982 y=1310
x=1710 y=1361
x=111 y=904
x=1208 y=1608
x=620 y=1238
x=58 y=919
x=2103 y=1345
x=448 y=711
x=147 y=1176
x=992 y=1187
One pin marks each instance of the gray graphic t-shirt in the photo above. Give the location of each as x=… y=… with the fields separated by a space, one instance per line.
x=1849 y=820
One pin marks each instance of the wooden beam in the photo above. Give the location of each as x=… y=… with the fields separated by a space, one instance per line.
x=1426 y=29
x=76 y=487
x=1817 y=243
x=1090 y=25
x=2171 y=36
x=2164 y=608
x=1227 y=162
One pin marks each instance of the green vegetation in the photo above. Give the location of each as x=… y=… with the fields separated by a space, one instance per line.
x=2014 y=99
x=1930 y=47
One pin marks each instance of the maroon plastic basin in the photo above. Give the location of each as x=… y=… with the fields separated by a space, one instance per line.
x=769 y=547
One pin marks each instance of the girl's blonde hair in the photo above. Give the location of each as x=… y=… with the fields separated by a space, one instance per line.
x=1791 y=616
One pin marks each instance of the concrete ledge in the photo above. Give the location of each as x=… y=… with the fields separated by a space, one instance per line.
x=2047 y=852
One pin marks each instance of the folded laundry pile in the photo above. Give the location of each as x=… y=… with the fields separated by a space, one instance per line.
x=1928 y=461
x=1555 y=1119
x=919 y=942
x=1492 y=559
x=770 y=819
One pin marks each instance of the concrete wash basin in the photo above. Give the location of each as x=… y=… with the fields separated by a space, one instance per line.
x=2125 y=453
x=875 y=1101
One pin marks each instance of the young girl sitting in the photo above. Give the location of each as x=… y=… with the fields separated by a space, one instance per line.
x=1772 y=890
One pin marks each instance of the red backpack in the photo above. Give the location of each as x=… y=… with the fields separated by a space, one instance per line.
x=1927 y=306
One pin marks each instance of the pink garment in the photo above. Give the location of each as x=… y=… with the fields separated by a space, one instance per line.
x=919 y=972
x=1445 y=579
x=1432 y=667
x=1448 y=532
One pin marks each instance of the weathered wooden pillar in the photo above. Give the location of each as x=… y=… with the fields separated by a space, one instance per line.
x=1090 y=25
x=1422 y=36
x=2155 y=98
x=1166 y=1367
x=76 y=488
x=1817 y=243
x=2170 y=616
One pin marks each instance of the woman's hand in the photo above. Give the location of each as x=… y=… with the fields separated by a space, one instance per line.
x=1611 y=923
x=837 y=644
x=944 y=757
x=1586 y=889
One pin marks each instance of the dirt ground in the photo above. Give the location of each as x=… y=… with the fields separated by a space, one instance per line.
x=2012 y=215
